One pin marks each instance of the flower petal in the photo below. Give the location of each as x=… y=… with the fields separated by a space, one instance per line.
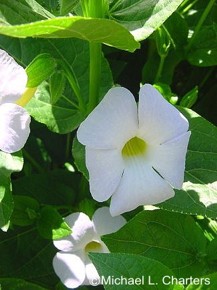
x=82 y=233
x=14 y=127
x=106 y=224
x=105 y=170
x=169 y=159
x=70 y=268
x=13 y=78
x=140 y=185
x=92 y=275
x=159 y=121
x=112 y=122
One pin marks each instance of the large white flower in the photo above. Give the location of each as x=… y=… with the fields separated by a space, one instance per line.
x=134 y=154
x=14 y=120
x=72 y=263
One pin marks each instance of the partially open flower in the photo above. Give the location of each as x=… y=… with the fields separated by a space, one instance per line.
x=135 y=155
x=14 y=120
x=72 y=263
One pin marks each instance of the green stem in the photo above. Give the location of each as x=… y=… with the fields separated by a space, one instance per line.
x=34 y=163
x=200 y=22
x=95 y=74
x=160 y=68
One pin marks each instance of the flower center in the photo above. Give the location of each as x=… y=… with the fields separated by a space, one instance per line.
x=93 y=247
x=134 y=147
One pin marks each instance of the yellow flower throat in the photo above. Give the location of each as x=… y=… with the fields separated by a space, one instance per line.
x=134 y=147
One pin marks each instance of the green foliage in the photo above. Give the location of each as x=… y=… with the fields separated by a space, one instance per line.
x=78 y=27
x=62 y=55
x=40 y=69
x=199 y=190
x=142 y=18
x=173 y=239
x=8 y=164
x=131 y=266
x=51 y=225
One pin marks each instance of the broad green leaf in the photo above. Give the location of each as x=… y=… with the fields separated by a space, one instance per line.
x=173 y=239
x=40 y=69
x=57 y=187
x=18 y=284
x=51 y=224
x=142 y=17
x=135 y=272
x=8 y=163
x=38 y=9
x=208 y=282
x=199 y=193
x=61 y=117
x=12 y=13
x=98 y=30
x=203 y=51
x=66 y=6
x=25 y=255
x=25 y=210
x=64 y=116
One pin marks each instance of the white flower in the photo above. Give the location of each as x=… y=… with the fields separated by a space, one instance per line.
x=72 y=263
x=14 y=120
x=135 y=155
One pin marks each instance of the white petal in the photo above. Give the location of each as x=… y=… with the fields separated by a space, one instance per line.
x=106 y=224
x=140 y=185
x=82 y=233
x=14 y=127
x=112 y=122
x=169 y=159
x=105 y=170
x=159 y=121
x=70 y=268
x=13 y=78
x=92 y=275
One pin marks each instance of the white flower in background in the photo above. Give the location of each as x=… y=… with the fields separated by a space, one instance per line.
x=72 y=263
x=14 y=120
x=135 y=155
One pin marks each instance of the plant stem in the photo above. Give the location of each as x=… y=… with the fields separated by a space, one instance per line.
x=34 y=163
x=95 y=74
x=200 y=22
x=160 y=68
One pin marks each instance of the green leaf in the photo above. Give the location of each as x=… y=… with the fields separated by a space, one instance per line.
x=8 y=163
x=190 y=98
x=64 y=116
x=25 y=255
x=37 y=8
x=40 y=69
x=25 y=210
x=203 y=51
x=57 y=85
x=173 y=239
x=208 y=282
x=57 y=187
x=61 y=117
x=199 y=193
x=142 y=17
x=67 y=6
x=11 y=13
x=78 y=152
x=135 y=272
x=51 y=224
x=18 y=284
x=98 y=30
